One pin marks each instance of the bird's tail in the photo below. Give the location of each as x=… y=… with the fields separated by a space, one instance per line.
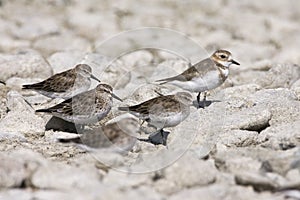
x=26 y=87
x=43 y=110
x=166 y=80
x=123 y=108
x=162 y=83
x=70 y=140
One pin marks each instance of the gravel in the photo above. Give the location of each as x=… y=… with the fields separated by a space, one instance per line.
x=244 y=145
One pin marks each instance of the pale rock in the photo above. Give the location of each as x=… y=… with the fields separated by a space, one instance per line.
x=190 y=172
x=257 y=181
x=9 y=44
x=3 y=100
x=12 y=136
x=129 y=180
x=280 y=75
x=21 y=117
x=238 y=138
x=282 y=103
x=92 y=25
x=15 y=83
x=144 y=192
x=251 y=119
x=249 y=53
x=12 y=194
x=34 y=26
x=222 y=191
x=18 y=166
x=12 y=171
x=63 y=42
x=24 y=64
x=296 y=88
x=281 y=137
x=64 y=60
x=59 y=176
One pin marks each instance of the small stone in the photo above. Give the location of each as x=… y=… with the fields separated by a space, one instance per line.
x=238 y=138
x=296 y=88
x=64 y=42
x=221 y=191
x=130 y=180
x=280 y=75
x=281 y=137
x=24 y=64
x=64 y=60
x=258 y=182
x=63 y=177
x=34 y=26
x=12 y=172
x=21 y=117
x=189 y=171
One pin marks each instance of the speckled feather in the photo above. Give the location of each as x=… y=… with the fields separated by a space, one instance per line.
x=65 y=84
x=96 y=102
x=168 y=110
x=60 y=82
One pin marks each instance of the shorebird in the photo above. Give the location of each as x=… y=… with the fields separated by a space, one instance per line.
x=204 y=75
x=65 y=84
x=85 y=108
x=163 y=111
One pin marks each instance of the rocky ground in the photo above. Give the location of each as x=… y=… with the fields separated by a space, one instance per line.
x=245 y=145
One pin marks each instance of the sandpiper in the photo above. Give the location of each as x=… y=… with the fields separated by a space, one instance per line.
x=163 y=111
x=85 y=108
x=204 y=75
x=65 y=84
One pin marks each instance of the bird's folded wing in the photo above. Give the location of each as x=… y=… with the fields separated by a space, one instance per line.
x=57 y=83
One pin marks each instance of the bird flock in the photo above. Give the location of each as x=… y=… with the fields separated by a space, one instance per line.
x=83 y=106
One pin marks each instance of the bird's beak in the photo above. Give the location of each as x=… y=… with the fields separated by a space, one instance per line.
x=116 y=97
x=234 y=62
x=95 y=78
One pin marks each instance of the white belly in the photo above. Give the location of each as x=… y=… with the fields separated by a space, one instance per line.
x=168 y=121
x=210 y=81
x=84 y=119
x=65 y=95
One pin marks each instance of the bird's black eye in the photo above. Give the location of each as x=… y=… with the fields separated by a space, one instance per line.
x=223 y=56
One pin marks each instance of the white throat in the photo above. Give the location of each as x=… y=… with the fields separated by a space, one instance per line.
x=225 y=63
x=225 y=71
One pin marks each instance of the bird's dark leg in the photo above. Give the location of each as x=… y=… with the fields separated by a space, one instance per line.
x=164 y=136
x=204 y=99
x=158 y=137
x=198 y=99
x=157 y=92
x=164 y=141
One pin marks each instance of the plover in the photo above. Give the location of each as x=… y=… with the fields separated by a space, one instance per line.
x=204 y=75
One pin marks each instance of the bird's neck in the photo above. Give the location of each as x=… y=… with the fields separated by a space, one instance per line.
x=223 y=70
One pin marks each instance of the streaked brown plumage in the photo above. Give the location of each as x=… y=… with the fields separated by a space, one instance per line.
x=65 y=84
x=114 y=135
x=87 y=107
x=162 y=112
